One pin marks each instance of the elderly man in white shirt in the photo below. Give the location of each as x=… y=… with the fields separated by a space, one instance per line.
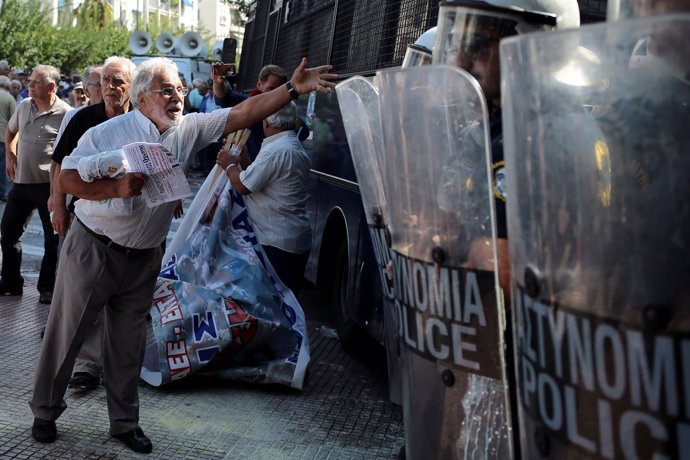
x=275 y=186
x=113 y=259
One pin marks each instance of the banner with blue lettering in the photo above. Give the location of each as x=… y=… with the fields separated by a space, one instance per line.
x=219 y=308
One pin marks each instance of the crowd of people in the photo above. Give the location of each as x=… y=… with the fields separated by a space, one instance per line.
x=95 y=326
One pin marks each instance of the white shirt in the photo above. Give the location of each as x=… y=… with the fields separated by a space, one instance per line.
x=144 y=227
x=65 y=121
x=278 y=202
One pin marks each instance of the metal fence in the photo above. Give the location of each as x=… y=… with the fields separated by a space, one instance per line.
x=355 y=36
x=592 y=10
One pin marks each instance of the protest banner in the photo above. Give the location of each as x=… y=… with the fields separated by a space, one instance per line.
x=219 y=308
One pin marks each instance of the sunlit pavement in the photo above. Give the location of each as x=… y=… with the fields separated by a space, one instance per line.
x=342 y=412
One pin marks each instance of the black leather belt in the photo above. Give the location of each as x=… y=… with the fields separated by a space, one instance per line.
x=116 y=247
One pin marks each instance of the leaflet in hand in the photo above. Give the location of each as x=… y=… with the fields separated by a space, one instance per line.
x=166 y=182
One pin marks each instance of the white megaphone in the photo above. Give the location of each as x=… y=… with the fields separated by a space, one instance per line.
x=192 y=44
x=166 y=42
x=217 y=51
x=140 y=42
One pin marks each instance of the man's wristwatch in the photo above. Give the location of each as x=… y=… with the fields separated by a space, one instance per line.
x=291 y=90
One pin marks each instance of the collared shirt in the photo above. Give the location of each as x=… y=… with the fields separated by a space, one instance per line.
x=89 y=116
x=144 y=227
x=194 y=98
x=70 y=133
x=278 y=202
x=37 y=132
x=208 y=103
x=7 y=107
x=65 y=121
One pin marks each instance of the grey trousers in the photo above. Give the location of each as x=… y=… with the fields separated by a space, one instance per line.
x=90 y=358
x=92 y=276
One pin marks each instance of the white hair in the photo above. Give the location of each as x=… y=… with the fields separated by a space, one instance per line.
x=145 y=73
x=285 y=118
x=127 y=66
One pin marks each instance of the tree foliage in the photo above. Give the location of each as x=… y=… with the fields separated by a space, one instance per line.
x=85 y=37
x=242 y=7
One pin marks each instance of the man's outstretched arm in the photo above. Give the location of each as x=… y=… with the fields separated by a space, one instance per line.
x=257 y=108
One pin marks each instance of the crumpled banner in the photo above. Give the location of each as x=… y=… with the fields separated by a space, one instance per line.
x=219 y=308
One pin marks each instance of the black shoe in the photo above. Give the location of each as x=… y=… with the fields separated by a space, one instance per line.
x=136 y=440
x=7 y=288
x=84 y=381
x=44 y=430
x=45 y=297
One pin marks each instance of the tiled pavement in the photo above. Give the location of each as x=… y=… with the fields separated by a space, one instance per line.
x=342 y=413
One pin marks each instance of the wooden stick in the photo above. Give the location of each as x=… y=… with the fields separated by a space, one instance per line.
x=244 y=138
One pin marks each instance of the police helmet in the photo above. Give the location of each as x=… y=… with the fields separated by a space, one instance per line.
x=419 y=52
x=624 y=9
x=459 y=22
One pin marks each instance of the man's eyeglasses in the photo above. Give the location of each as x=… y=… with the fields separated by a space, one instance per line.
x=169 y=91
x=107 y=80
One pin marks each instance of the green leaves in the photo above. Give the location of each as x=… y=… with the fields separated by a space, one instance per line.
x=83 y=37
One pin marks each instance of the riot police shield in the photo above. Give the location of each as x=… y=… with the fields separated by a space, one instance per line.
x=617 y=10
x=358 y=99
x=599 y=236
x=436 y=138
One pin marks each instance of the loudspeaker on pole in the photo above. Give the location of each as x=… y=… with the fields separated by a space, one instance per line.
x=140 y=42
x=191 y=44
x=166 y=42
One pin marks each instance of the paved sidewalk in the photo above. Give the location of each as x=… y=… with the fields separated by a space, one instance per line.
x=342 y=413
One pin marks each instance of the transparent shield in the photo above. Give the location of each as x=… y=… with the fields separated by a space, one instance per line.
x=618 y=10
x=435 y=132
x=358 y=99
x=599 y=236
